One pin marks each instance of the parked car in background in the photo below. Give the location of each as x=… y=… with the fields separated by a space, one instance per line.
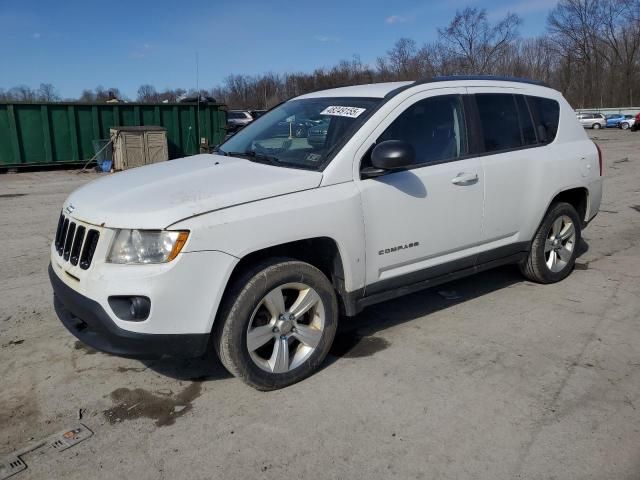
x=592 y=120
x=294 y=128
x=614 y=120
x=260 y=251
x=257 y=113
x=236 y=119
x=628 y=121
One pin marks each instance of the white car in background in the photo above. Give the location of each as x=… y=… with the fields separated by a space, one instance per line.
x=592 y=120
x=259 y=250
x=627 y=123
x=237 y=119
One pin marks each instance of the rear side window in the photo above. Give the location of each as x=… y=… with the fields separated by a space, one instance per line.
x=499 y=120
x=546 y=114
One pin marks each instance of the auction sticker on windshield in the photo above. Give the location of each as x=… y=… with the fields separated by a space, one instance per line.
x=342 y=111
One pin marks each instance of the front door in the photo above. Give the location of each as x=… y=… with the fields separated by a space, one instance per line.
x=426 y=220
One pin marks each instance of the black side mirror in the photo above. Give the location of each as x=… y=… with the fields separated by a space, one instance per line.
x=389 y=155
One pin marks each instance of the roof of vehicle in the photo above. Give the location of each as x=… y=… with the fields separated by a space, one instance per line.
x=381 y=90
x=374 y=90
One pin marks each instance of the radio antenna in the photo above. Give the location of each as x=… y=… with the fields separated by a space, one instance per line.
x=198 y=104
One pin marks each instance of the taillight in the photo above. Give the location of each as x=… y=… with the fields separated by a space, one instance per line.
x=599 y=157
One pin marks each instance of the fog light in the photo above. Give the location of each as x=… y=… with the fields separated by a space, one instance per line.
x=132 y=309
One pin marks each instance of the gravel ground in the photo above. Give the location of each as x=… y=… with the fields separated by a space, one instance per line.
x=497 y=378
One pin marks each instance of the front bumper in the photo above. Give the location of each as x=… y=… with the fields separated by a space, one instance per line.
x=87 y=320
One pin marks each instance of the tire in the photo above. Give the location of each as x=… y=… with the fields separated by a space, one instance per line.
x=624 y=126
x=539 y=265
x=596 y=126
x=256 y=310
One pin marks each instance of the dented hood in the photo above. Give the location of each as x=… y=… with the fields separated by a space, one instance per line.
x=156 y=196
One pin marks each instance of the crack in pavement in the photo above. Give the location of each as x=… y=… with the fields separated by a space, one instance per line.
x=544 y=419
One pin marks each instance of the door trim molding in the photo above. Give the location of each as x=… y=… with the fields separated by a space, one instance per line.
x=356 y=301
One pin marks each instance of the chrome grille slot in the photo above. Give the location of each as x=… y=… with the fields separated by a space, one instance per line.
x=77 y=244
x=68 y=241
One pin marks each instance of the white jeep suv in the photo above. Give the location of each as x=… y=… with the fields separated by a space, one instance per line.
x=259 y=250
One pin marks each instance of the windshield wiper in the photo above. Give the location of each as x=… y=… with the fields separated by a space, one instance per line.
x=255 y=157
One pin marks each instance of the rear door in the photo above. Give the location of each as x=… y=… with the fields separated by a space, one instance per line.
x=508 y=137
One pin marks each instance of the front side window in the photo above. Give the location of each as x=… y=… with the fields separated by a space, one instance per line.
x=433 y=126
x=302 y=133
x=499 y=120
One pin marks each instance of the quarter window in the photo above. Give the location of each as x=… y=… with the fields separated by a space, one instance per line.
x=433 y=126
x=546 y=113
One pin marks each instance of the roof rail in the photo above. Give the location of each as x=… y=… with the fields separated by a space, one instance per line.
x=449 y=78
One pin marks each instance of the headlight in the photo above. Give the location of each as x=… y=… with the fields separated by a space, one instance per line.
x=146 y=246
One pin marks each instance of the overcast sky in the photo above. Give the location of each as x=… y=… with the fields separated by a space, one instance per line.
x=76 y=44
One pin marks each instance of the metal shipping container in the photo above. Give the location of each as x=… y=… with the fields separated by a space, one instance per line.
x=41 y=134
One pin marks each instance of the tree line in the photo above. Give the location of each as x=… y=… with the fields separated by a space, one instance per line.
x=590 y=51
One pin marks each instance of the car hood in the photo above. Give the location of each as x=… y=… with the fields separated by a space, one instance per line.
x=158 y=195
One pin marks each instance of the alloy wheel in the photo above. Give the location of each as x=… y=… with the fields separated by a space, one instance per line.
x=285 y=328
x=560 y=243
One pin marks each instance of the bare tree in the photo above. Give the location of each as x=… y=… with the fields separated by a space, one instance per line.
x=87 y=95
x=476 y=43
x=22 y=93
x=47 y=93
x=590 y=52
x=574 y=27
x=148 y=94
x=620 y=32
x=401 y=59
x=171 y=95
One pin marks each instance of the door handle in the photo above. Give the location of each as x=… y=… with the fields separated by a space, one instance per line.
x=463 y=179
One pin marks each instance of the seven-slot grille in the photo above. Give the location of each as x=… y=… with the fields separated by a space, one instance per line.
x=75 y=243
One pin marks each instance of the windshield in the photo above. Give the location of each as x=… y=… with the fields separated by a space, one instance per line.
x=301 y=133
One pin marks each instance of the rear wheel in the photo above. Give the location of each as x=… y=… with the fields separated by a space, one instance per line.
x=277 y=324
x=554 y=247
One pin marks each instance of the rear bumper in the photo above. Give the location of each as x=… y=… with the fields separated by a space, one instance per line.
x=90 y=323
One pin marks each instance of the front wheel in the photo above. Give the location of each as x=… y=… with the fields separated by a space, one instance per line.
x=624 y=126
x=277 y=324
x=554 y=248
x=597 y=126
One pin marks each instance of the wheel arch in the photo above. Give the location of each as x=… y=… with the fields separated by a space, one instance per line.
x=321 y=252
x=578 y=197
